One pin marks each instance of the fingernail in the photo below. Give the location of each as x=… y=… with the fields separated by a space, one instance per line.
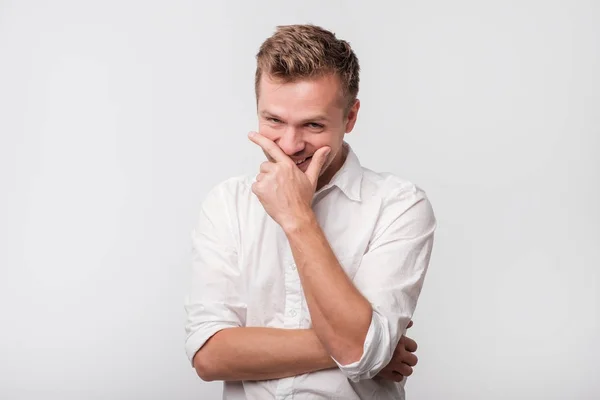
x=251 y=134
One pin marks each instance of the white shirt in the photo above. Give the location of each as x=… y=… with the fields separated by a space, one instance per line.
x=380 y=228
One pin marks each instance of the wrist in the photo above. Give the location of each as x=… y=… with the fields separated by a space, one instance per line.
x=300 y=222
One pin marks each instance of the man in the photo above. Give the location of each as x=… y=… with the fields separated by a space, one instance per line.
x=306 y=275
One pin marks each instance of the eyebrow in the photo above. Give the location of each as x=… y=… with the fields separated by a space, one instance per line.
x=315 y=118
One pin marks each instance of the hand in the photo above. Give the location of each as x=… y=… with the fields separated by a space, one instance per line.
x=283 y=189
x=402 y=361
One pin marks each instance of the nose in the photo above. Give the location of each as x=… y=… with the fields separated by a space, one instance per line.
x=291 y=141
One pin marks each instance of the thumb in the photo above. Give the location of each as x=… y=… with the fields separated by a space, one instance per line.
x=314 y=169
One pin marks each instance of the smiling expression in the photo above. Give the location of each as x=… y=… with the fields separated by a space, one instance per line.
x=304 y=115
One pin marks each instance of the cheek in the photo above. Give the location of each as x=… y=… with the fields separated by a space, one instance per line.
x=325 y=139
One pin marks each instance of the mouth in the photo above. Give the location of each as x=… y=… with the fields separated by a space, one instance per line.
x=303 y=163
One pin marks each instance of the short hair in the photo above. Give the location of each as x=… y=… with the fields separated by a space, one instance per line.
x=297 y=52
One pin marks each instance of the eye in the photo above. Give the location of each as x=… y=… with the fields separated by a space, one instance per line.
x=314 y=125
x=274 y=120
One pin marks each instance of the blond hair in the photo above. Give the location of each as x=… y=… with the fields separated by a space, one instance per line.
x=297 y=52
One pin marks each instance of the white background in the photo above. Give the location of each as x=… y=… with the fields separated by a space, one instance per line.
x=117 y=117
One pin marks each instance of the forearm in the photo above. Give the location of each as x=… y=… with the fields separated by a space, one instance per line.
x=340 y=314
x=257 y=353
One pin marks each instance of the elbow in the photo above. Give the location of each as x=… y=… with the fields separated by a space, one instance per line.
x=348 y=349
x=208 y=360
x=366 y=359
x=347 y=353
x=348 y=345
x=359 y=362
x=203 y=365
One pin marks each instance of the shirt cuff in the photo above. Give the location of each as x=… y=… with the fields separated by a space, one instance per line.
x=376 y=351
x=195 y=341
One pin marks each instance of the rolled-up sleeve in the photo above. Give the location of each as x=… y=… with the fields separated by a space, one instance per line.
x=213 y=302
x=391 y=276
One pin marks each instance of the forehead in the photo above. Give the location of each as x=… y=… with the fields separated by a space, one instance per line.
x=305 y=96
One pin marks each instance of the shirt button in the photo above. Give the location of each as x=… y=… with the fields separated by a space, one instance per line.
x=293 y=266
x=293 y=313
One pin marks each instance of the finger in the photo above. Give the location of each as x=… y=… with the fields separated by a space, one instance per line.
x=397 y=377
x=404 y=370
x=269 y=147
x=316 y=164
x=410 y=345
x=409 y=324
x=259 y=177
x=402 y=357
x=266 y=166
x=410 y=359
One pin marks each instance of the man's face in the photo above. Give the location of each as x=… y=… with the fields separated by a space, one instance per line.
x=303 y=116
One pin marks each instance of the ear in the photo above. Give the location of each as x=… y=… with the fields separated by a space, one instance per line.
x=352 y=116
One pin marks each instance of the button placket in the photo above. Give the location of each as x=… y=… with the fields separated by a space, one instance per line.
x=291 y=317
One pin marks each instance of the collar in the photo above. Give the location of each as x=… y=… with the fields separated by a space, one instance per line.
x=349 y=177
